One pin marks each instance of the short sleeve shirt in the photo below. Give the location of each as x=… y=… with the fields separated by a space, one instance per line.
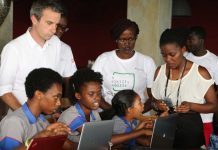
x=19 y=126
x=120 y=126
x=136 y=73
x=23 y=54
x=74 y=119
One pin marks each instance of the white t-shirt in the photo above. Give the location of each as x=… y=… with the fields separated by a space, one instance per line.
x=23 y=54
x=135 y=73
x=192 y=89
x=209 y=61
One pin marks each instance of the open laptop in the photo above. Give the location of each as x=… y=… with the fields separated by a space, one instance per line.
x=47 y=143
x=164 y=132
x=96 y=135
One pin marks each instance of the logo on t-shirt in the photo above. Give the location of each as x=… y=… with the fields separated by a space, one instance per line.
x=121 y=81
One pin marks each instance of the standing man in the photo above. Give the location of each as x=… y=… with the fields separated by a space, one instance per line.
x=36 y=48
x=201 y=56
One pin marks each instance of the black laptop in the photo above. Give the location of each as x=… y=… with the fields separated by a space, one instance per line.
x=163 y=133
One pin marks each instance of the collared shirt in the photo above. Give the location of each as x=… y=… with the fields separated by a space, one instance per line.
x=74 y=117
x=19 y=126
x=121 y=126
x=23 y=54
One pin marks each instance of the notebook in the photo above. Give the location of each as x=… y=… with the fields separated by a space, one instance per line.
x=48 y=143
x=164 y=132
x=96 y=135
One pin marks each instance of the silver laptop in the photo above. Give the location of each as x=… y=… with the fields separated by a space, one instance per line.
x=164 y=132
x=96 y=135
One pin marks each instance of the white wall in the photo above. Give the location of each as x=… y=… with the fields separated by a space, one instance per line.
x=153 y=17
x=6 y=29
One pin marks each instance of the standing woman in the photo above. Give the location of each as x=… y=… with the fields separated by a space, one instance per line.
x=125 y=68
x=183 y=87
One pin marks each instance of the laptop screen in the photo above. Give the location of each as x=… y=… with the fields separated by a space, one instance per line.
x=164 y=132
x=96 y=135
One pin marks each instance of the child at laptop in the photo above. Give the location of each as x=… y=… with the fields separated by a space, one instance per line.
x=127 y=129
x=44 y=90
x=86 y=89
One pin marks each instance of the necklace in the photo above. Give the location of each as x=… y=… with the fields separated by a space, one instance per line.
x=180 y=81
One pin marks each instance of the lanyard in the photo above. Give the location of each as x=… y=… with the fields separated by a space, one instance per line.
x=129 y=129
x=81 y=112
x=180 y=81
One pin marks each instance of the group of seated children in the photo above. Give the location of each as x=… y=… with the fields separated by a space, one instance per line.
x=44 y=90
x=127 y=104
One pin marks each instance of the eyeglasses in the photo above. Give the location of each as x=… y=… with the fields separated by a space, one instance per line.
x=62 y=27
x=130 y=41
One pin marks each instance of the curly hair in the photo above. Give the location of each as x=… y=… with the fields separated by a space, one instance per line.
x=174 y=35
x=121 y=26
x=122 y=101
x=41 y=79
x=82 y=77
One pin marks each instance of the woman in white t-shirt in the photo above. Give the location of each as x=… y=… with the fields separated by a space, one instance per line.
x=125 y=68
x=183 y=87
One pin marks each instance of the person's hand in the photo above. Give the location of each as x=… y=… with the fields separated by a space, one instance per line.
x=149 y=125
x=184 y=107
x=162 y=105
x=148 y=132
x=141 y=125
x=145 y=125
x=57 y=128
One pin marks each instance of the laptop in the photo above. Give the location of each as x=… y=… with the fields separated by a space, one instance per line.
x=164 y=132
x=47 y=143
x=96 y=135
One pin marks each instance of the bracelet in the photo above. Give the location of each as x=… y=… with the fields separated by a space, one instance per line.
x=27 y=143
